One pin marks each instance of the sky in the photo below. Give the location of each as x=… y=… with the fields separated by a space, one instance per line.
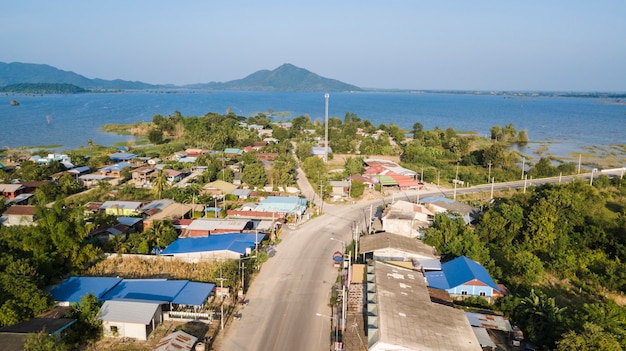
x=563 y=45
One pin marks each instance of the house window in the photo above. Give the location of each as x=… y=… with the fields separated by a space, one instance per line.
x=114 y=330
x=464 y=292
x=482 y=293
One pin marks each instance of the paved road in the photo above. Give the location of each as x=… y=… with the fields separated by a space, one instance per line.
x=293 y=286
x=297 y=282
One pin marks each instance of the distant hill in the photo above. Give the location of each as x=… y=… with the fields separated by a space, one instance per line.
x=42 y=88
x=284 y=78
x=16 y=73
x=287 y=77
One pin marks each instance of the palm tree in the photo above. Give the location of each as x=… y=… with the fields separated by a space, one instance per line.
x=160 y=183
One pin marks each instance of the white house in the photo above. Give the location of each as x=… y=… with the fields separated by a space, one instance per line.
x=130 y=318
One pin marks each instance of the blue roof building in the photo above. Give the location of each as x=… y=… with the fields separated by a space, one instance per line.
x=213 y=247
x=292 y=205
x=122 y=156
x=463 y=277
x=182 y=292
x=73 y=289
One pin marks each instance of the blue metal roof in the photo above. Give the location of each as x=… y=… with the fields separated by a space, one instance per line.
x=458 y=272
x=283 y=204
x=122 y=156
x=146 y=289
x=237 y=242
x=74 y=288
x=194 y=294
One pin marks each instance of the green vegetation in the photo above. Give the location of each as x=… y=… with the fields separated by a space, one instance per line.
x=560 y=250
x=42 y=88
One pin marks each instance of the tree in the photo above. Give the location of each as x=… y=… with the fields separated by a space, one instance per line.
x=254 y=174
x=593 y=338
x=43 y=341
x=540 y=318
x=155 y=136
x=88 y=326
x=160 y=183
x=357 y=190
x=353 y=165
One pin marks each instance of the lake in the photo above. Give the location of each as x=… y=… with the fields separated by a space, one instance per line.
x=565 y=126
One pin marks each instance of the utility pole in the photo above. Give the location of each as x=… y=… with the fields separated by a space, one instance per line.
x=489 y=176
x=221 y=279
x=326 y=96
x=492 y=181
x=579 y=159
x=523 y=166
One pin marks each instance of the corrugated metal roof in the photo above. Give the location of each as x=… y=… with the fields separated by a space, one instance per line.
x=129 y=311
x=74 y=288
x=458 y=272
x=194 y=294
x=146 y=289
x=236 y=242
x=176 y=341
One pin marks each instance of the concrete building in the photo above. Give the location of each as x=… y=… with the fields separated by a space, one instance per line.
x=398 y=248
x=401 y=316
x=130 y=318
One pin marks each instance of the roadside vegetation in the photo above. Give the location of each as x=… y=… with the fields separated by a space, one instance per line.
x=558 y=249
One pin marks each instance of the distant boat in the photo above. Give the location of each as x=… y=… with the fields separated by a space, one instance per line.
x=48 y=118
x=15 y=103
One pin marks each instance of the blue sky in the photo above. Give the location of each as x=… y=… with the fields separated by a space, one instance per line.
x=483 y=45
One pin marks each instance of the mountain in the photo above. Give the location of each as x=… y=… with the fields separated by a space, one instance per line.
x=287 y=77
x=16 y=73
x=284 y=78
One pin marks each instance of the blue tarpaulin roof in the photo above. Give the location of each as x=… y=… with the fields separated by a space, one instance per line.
x=74 y=288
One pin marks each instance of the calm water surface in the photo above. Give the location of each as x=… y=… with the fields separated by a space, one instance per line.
x=567 y=124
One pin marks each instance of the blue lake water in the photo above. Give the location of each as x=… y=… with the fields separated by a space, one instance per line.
x=568 y=124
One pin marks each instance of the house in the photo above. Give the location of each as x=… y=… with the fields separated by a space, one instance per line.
x=340 y=189
x=398 y=248
x=73 y=289
x=18 y=215
x=122 y=208
x=10 y=191
x=440 y=204
x=463 y=277
x=401 y=316
x=218 y=188
x=406 y=218
x=115 y=170
x=142 y=176
x=13 y=338
x=173 y=175
x=214 y=247
x=283 y=205
x=202 y=227
x=92 y=180
x=122 y=157
x=233 y=152
x=130 y=318
x=242 y=194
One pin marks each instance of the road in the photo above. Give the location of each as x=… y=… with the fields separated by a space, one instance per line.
x=296 y=284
